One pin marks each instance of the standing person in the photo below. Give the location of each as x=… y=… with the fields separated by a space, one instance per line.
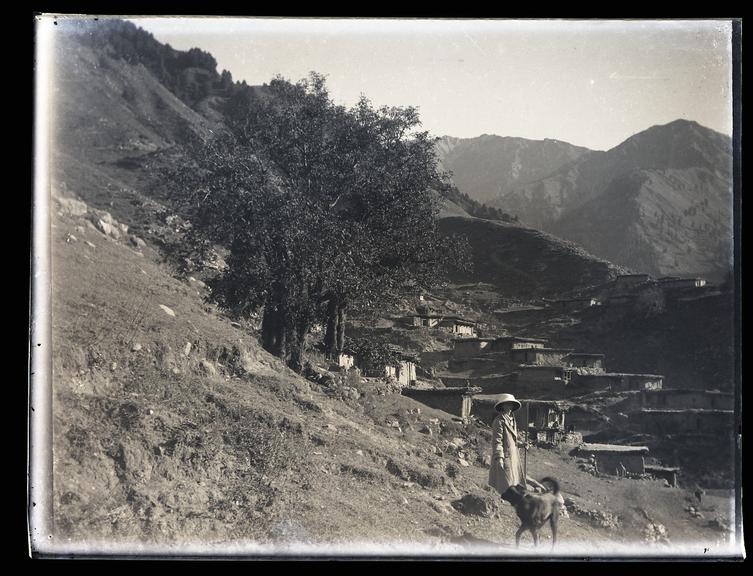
x=507 y=467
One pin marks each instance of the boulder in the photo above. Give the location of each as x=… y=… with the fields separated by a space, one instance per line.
x=208 y=368
x=168 y=311
x=71 y=206
x=477 y=504
x=136 y=242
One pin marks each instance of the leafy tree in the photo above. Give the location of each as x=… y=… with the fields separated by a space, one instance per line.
x=322 y=208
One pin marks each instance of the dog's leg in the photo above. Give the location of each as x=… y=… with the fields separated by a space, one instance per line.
x=553 y=521
x=535 y=534
x=518 y=535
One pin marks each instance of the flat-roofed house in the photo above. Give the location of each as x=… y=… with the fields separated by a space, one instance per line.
x=582 y=360
x=614 y=458
x=471 y=346
x=507 y=343
x=456 y=401
x=539 y=356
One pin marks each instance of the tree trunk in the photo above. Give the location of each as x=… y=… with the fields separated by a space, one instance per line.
x=330 y=335
x=297 y=346
x=273 y=337
x=340 y=327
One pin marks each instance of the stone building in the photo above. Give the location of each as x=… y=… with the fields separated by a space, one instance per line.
x=616 y=382
x=539 y=356
x=581 y=360
x=456 y=401
x=673 y=283
x=677 y=398
x=471 y=346
x=508 y=343
x=684 y=421
x=459 y=326
x=614 y=458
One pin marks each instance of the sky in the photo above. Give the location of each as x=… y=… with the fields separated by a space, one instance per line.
x=590 y=83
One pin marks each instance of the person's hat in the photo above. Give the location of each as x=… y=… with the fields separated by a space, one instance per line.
x=503 y=399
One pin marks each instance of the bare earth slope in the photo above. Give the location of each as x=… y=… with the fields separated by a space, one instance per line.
x=521 y=261
x=172 y=427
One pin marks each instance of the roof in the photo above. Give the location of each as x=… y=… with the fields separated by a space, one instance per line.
x=652 y=467
x=689 y=391
x=584 y=299
x=520 y=339
x=620 y=375
x=685 y=411
x=543 y=350
x=541 y=367
x=586 y=355
x=612 y=448
x=450 y=390
x=473 y=339
x=632 y=276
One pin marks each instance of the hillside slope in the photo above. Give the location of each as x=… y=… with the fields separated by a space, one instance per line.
x=488 y=166
x=173 y=428
x=660 y=202
x=521 y=261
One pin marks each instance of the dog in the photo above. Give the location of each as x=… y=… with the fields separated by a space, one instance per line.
x=535 y=510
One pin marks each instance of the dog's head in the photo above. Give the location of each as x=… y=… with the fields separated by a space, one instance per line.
x=516 y=494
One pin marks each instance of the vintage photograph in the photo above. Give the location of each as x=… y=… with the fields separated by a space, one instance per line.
x=385 y=288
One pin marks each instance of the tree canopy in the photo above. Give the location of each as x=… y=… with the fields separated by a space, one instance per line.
x=321 y=207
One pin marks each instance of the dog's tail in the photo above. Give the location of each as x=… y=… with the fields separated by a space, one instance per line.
x=553 y=482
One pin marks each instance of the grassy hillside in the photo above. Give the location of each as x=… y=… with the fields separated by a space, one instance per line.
x=521 y=261
x=172 y=426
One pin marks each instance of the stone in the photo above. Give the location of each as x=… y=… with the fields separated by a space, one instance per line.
x=474 y=504
x=71 y=238
x=136 y=242
x=107 y=229
x=187 y=349
x=168 y=311
x=71 y=206
x=208 y=368
x=426 y=430
x=463 y=462
x=136 y=347
x=89 y=244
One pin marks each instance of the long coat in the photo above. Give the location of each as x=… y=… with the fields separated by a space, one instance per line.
x=505 y=449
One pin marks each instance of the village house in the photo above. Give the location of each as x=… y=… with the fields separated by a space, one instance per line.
x=508 y=343
x=471 y=346
x=459 y=326
x=615 y=459
x=575 y=304
x=581 y=360
x=403 y=369
x=487 y=384
x=616 y=382
x=688 y=421
x=677 y=398
x=426 y=320
x=539 y=356
x=456 y=401
x=674 y=283
x=668 y=473
x=345 y=361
